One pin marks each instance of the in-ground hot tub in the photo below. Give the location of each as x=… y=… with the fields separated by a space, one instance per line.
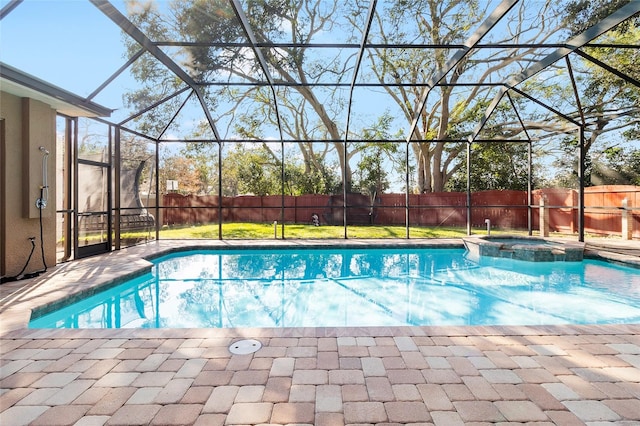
x=531 y=249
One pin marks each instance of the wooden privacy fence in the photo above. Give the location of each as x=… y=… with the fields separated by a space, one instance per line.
x=603 y=209
x=505 y=209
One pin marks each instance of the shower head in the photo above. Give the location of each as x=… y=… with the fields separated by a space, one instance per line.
x=44 y=150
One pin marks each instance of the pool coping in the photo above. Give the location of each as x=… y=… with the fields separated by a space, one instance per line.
x=84 y=277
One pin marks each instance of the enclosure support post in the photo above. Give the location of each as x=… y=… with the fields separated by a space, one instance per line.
x=68 y=184
x=529 y=168
x=581 y=153
x=468 y=187
x=282 y=186
x=530 y=190
x=219 y=190
x=581 y=169
x=116 y=190
x=76 y=234
x=344 y=190
x=406 y=192
x=158 y=195
x=109 y=189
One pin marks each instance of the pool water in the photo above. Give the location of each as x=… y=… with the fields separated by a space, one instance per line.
x=364 y=287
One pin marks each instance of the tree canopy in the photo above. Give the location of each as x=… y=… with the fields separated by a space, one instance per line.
x=295 y=83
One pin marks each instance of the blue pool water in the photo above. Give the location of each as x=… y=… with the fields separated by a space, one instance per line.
x=366 y=287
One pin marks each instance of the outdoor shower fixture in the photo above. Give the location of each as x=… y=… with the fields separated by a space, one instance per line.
x=41 y=202
x=488 y=223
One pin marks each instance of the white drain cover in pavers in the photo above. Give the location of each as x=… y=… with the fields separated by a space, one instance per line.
x=244 y=347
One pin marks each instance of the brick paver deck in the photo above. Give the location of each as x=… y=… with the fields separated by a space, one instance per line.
x=564 y=375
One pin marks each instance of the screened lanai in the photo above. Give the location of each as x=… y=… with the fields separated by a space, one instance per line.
x=330 y=116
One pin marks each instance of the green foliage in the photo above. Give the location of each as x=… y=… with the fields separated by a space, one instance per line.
x=613 y=165
x=258 y=173
x=300 y=180
x=216 y=50
x=207 y=21
x=204 y=157
x=610 y=102
x=582 y=14
x=371 y=176
x=246 y=169
x=155 y=81
x=257 y=170
x=494 y=166
x=601 y=82
x=617 y=166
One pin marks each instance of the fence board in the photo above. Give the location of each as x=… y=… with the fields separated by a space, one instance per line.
x=505 y=209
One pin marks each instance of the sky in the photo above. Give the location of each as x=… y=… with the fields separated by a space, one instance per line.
x=56 y=40
x=60 y=40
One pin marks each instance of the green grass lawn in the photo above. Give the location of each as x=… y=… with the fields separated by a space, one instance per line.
x=298 y=231
x=262 y=231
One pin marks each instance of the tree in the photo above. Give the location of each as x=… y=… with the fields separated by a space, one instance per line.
x=611 y=100
x=204 y=158
x=376 y=158
x=618 y=166
x=206 y=22
x=371 y=175
x=182 y=170
x=253 y=170
x=307 y=114
x=322 y=179
x=155 y=82
x=613 y=166
x=453 y=113
x=582 y=14
x=494 y=166
x=215 y=49
x=610 y=103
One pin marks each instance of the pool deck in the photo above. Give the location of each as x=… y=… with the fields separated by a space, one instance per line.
x=543 y=375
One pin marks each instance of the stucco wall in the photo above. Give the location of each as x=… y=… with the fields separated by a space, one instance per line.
x=29 y=124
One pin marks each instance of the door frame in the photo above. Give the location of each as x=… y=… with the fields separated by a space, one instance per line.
x=103 y=246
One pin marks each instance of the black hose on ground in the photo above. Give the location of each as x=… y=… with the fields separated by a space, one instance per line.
x=19 y=275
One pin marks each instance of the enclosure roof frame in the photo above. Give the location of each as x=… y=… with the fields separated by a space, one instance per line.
x=617 y=17
x=22 y=84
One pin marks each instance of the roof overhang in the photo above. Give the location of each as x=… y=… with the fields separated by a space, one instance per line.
x=24 y=85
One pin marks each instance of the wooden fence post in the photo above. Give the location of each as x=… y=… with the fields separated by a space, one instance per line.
x=544 y=217
x=627 y=221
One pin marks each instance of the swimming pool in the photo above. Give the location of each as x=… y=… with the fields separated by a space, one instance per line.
x=357 y=287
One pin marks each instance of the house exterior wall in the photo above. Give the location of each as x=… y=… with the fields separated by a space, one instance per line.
x=28 y=124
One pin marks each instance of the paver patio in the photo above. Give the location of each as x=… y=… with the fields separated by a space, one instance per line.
x=561 y=375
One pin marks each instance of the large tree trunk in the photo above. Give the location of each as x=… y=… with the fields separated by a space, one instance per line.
x=436 y=172
x=332 y=129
